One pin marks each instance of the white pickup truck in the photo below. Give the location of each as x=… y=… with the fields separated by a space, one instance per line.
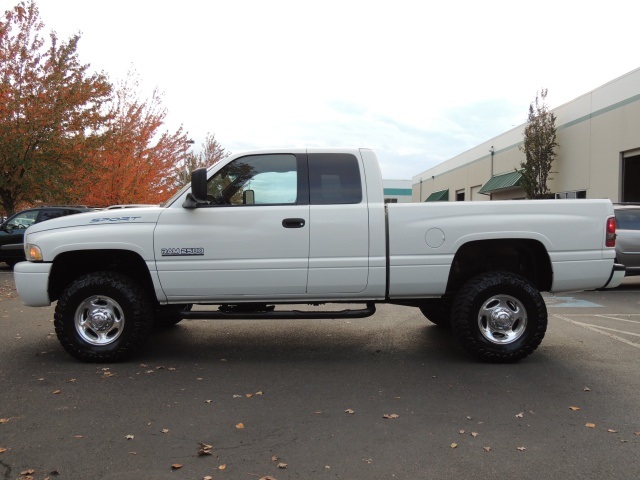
x=310 y=226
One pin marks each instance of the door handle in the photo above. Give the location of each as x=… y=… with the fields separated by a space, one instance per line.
x=293 y=222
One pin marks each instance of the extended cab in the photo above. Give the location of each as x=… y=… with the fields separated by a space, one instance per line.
x=309 y=226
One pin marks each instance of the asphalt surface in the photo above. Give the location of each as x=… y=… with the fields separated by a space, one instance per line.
x=308 y=399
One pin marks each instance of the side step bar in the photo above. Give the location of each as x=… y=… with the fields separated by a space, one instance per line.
x=219 y=314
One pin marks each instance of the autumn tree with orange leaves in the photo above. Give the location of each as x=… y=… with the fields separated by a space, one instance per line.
x=51 y=111
x=137 y=161
x=68 y=136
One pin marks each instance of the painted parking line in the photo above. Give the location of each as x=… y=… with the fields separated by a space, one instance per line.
x=617 y=317
x=602 y=330
x=569 y=302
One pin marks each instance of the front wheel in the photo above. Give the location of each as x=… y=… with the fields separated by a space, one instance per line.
x=499 y=317
x=103 y=317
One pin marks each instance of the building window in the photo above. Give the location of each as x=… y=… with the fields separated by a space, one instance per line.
x=570 y=195
x=459 y=195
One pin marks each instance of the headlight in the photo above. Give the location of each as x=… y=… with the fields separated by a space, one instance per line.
x=32 y=252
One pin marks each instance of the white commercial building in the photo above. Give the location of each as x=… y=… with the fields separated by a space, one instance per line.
x=598 y=135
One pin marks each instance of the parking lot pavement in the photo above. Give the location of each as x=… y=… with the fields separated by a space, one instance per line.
x=314 y=395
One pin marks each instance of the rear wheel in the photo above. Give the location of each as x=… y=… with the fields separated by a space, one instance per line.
x=103 y=317
x=499 y=317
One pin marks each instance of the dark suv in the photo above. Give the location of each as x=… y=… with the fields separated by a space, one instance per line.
x=12 y=230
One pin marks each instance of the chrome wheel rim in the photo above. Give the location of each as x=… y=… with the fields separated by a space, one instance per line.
x=99 y=320
x=502 y=319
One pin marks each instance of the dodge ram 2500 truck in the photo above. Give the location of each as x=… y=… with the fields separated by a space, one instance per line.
x=310 y=226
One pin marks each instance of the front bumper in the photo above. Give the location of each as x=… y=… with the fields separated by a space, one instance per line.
x=617 y=275
x=32 y=283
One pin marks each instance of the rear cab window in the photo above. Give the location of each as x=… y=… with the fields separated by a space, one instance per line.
x=334 y=179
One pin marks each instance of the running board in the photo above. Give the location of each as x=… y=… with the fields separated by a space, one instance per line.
x=279 y=314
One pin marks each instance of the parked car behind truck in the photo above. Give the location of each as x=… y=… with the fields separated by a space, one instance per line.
x=12 y=230
x=628 y=236
x=307 y=226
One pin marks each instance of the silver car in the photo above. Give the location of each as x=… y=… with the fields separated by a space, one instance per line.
x=628 y=236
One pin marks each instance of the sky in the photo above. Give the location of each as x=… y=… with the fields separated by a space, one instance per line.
x=417 y=81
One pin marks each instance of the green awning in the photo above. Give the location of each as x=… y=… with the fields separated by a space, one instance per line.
x=439 y=196
x=502 y=182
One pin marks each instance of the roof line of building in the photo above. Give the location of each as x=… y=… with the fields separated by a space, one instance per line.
x=571 y=123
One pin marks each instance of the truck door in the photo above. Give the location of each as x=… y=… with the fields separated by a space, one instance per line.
x=339 y=217
x=251 y=240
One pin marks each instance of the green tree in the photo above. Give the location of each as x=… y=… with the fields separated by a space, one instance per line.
x=539 y=148
x=51 y=110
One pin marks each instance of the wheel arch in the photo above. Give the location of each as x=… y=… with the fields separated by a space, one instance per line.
x=525 y=257
x=68 y=266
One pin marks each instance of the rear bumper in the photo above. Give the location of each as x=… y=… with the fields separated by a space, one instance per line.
x=32 y=283
x=617 y=275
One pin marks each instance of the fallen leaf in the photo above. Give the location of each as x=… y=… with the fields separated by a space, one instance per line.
x=260 y=393
x=204 y=449
x=586 y=389
x=2 y=449
x=31 y=471
x=237 y=396
x=172 y=369
x=240 y=426
x=222 y=467
x=317 y=413
x=461 y=432
x=282 y=465
x=78 y=436
x=208 y=401
x=3 y=420
x=454 y=445
x=637 y=433
x=522 y=449
x=474 y=434
x=71 y=380
x=520 y=415
x=390 y=415
x=129 y=437
x=176 y=466
x=56 y=392
x=611 y=430
x=575 y=409
x=486 y=449
x=208 y=477
x=349 y=411
x=133 y=453
x=165 y=430
x=590 y=425
x=268 y=477
x=469 y=418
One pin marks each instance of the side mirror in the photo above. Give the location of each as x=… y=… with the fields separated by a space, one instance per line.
x=198 y=192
